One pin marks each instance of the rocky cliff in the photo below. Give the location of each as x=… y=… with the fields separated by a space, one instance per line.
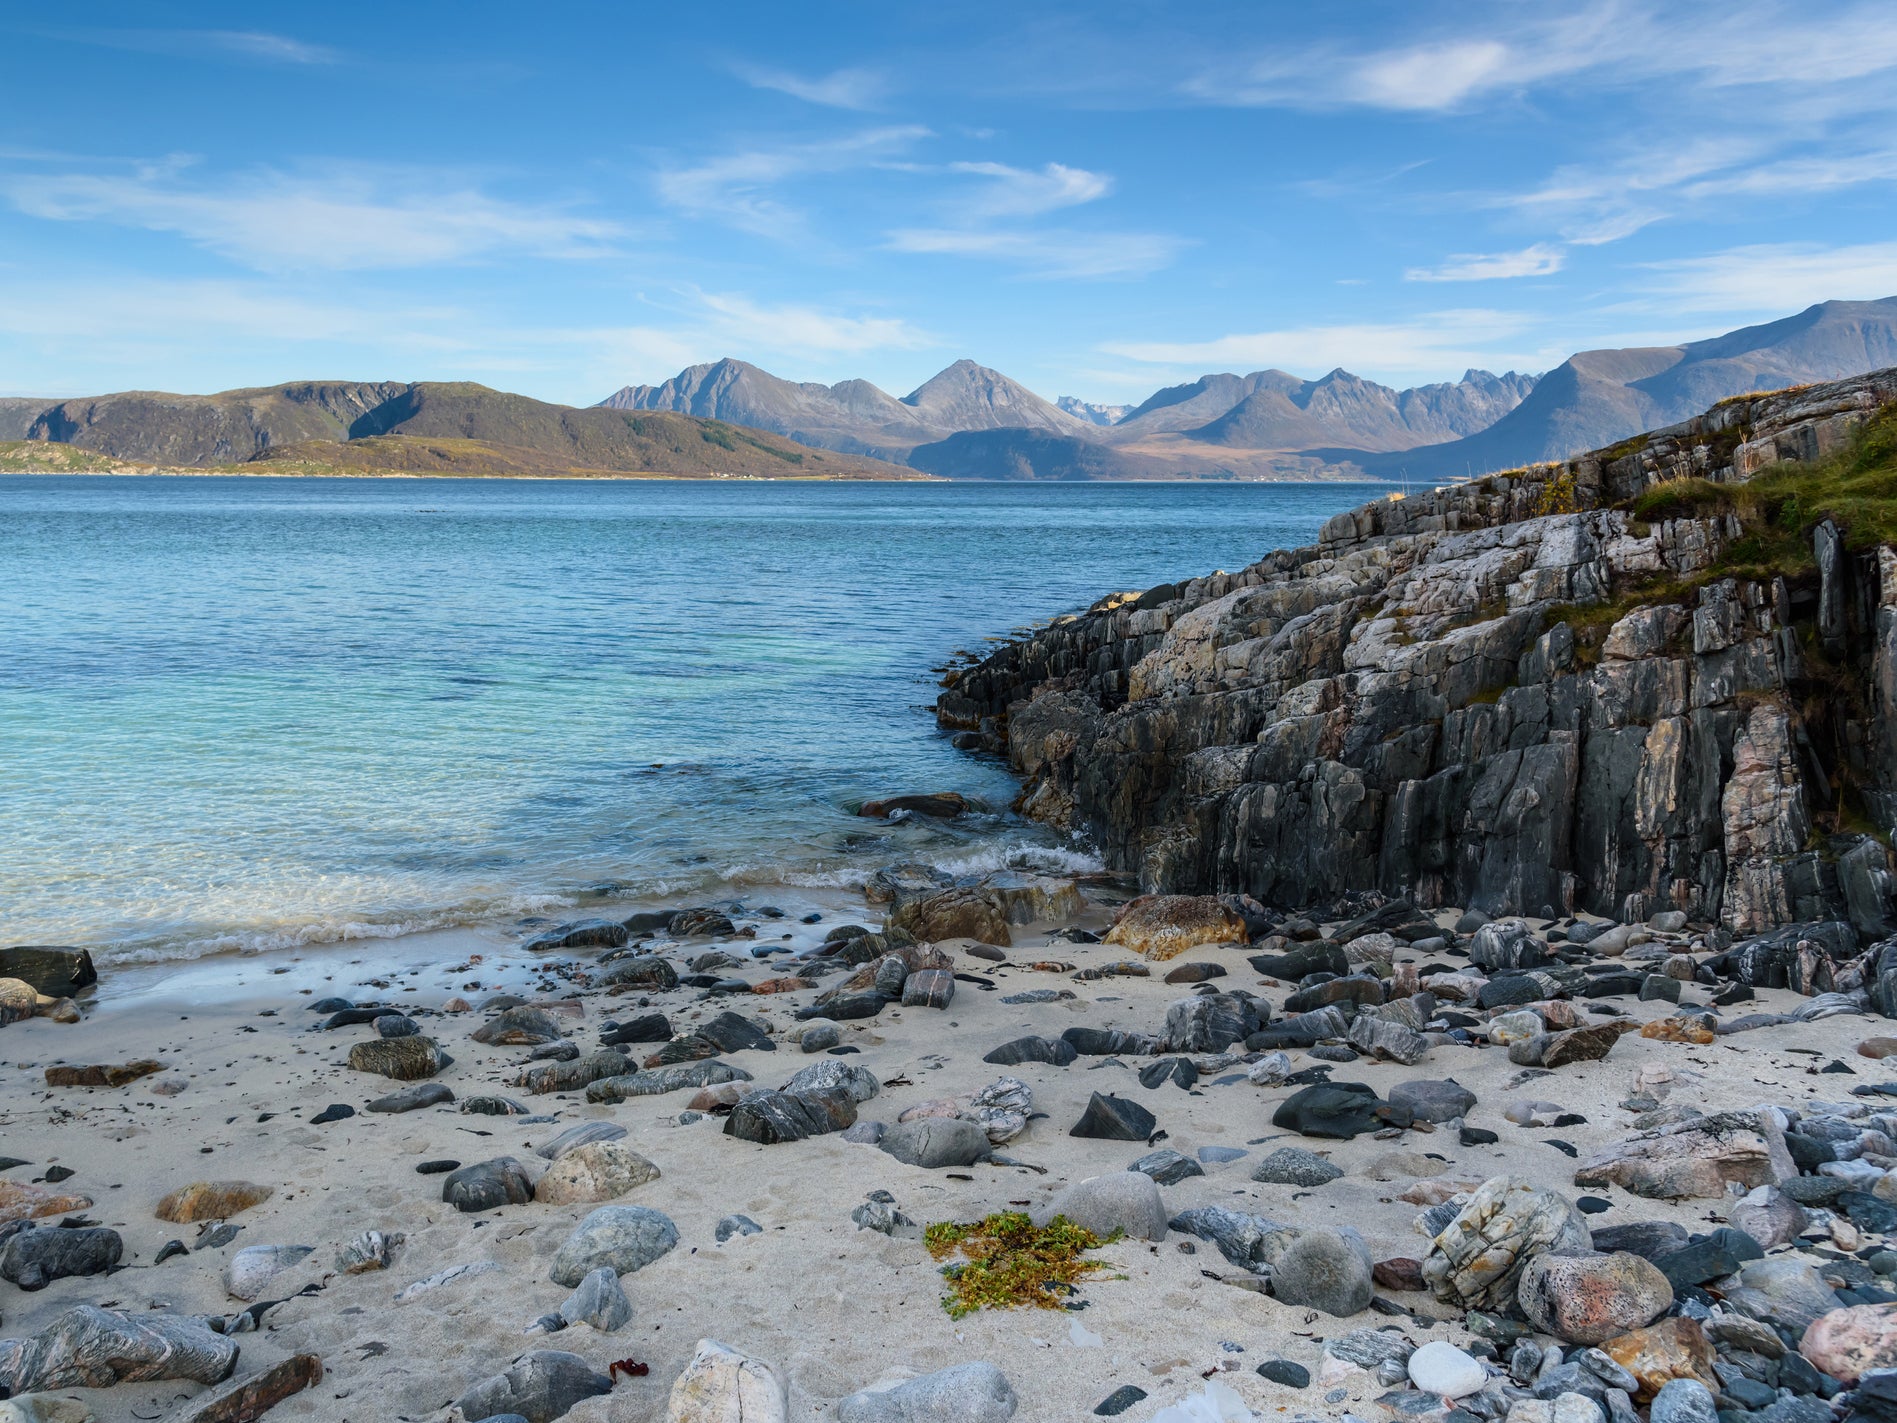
x=1657 y=676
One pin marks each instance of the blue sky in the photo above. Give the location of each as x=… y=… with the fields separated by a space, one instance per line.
x=564 y=198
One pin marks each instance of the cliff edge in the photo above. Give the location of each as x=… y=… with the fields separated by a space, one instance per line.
x=1661 y=675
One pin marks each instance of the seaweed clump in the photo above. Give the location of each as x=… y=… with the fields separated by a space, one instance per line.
x=1012 y=1263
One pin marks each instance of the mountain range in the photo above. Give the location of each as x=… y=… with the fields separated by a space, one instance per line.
x=970 y=421
x=967 y=422
x=428 y=427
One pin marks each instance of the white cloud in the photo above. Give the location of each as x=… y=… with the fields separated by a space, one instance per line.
x=1777 y=278
x=1424 y=346
x=1540 y=260
x=1029 y=192
x=1614 y=42
x=1054 y=253
x=840 y=89
x=807 y=330
x=336 y=218
x=261 y=46
x=736 y=186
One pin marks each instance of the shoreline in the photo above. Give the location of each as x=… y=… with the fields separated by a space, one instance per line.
x=620 y=478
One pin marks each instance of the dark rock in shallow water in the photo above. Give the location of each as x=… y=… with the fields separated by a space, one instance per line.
x=1167 y=1167
x=648 y=1028
x=356 y=1017
x=582 y=934
x=1110 y=1118
x=488 y=1185
x=33 y=1258
x=55 y=972
x=539 y=1386
x=641 y=973
x=1337 y=1110
x=1056 y=1052
x=410 y=1099
x=772 y=1117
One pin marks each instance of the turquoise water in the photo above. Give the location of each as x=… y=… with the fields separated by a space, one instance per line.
x=251 y=713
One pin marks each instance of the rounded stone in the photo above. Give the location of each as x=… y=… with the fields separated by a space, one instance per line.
x=1588 y=1299
x=931 y=1142
x=1126 y=1201
x=594 y=1171
x=1849 y=1343
x=628 y=1238
x=1439 y=1367
x=1323 y=1269
x=964 y=1393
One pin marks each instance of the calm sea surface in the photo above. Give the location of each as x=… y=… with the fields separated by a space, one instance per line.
x=253 y=713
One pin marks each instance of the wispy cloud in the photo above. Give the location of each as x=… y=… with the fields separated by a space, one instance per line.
x=334 y=217
x=749 y=325
x=1775 y=278
x=859 y=89
x=1056 y=253
x=253 y=46
x=1429 y=343
x=1540 y=260
x=737 y=187
x=1030 y=192
x=1517 y=50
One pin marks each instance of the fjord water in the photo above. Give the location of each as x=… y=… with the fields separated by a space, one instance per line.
x=245 y=713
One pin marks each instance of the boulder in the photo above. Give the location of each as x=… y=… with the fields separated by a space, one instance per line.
x=1432 y=1101
x=1694 y=1158
x=522 y=1026
x=933 y=1142
x=23 y=1200
x=700 y=923
x=247 y=1399
x=32 y=1257
x=1442 y=1370
x=1110 y=1118
x=593 y=1171
x=1163 y=926
x=1674 y=1348
x=931 y=988
x=581 y=934
x=1769 y=1216
x=1588 y=1299
x=1025 y=898
x=211 y=1200
x=964 y=1393
x=599 y=1301
x=413 y=1099
x=941 y=805
x=960 y=913
x=1476 y=1261
x=1167 y=1167
x=1294 y=1166
x=835 y=1075
x=87 y=1347
x=404 y=1059
x=1327 y=1270
x=1210 y=1022
x=769 y=1118
x=1849 y=1343
x=539 y=1386
x=1056 y=1052
x=627 y=1238
x=488 y=1185
x=1124 y=1201
x=722 y=1385
x=54 y=972
x=656 y=1081
x=250 y=1270
x=1334 y=1110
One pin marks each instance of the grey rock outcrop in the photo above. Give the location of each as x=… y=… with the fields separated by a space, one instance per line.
x=1507 y=694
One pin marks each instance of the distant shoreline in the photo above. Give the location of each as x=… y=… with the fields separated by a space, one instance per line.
x=623 y=478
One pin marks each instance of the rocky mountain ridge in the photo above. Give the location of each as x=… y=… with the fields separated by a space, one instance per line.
x=1607 y=685
x=424 y=427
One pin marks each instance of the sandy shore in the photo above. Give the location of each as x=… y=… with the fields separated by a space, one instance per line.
x=835 y=1308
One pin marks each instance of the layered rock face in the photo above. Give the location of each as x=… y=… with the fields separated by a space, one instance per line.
x=1510 y=695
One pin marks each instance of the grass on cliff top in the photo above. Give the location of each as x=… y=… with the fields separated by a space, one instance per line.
x=1856 y=487
x=1011 y=1263
x=46 y=457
